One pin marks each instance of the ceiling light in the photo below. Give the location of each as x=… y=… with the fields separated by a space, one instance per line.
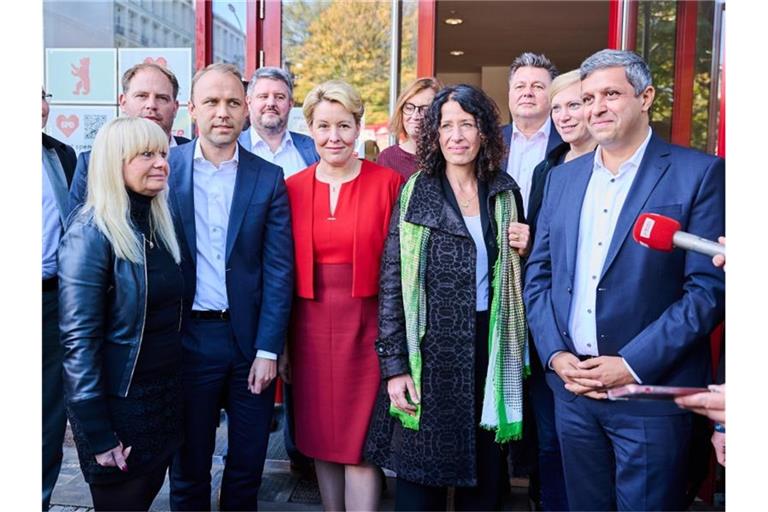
x=457 y=53
x=454 y=21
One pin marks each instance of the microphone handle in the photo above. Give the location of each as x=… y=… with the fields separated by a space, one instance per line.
x=695 y=243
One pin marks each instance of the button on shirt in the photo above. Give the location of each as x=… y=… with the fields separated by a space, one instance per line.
x=524 y=155
x=213 y=191
x=603 y=201
x=286 y=155
x=51 y=226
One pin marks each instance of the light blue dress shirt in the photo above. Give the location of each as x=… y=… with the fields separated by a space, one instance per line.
x=603 y=201
x=51 y=225
x=286 y=156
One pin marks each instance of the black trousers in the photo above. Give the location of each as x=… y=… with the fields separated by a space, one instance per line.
x=54 y=417
x=134 y=494
x=491 y=457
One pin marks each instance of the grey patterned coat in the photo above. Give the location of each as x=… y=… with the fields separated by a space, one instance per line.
x=442 y=452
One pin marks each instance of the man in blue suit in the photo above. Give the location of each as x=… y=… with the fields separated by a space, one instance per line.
x=149 y=91
x=606 y=311
x=270 y=100
x=233 y=223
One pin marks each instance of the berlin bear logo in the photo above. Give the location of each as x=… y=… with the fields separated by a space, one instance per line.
x=83 y=85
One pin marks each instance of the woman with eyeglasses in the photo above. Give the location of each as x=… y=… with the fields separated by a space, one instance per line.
x=411 y=107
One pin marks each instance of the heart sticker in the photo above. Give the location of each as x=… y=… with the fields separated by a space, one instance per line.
x=160 y=60
x=67 y=124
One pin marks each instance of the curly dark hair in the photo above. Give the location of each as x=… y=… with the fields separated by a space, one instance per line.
x=473 y=101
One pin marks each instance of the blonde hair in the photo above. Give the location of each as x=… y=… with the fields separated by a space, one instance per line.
x=335 y=91
x=117 y=142
x=396 y=125
x=562 y=82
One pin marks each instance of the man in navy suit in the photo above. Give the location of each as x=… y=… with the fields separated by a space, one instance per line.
x=606 y=311
x=149 y=91
x=233 y=223
x=529 y=138
x=270 y=100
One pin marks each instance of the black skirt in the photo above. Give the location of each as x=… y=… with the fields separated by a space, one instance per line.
x=149 y=420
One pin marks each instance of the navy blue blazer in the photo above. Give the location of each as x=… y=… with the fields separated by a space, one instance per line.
x=654 y=309
x=80 y=181
x=259 y=251
x=304 y=144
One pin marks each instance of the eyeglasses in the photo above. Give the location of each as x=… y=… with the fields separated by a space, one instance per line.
x=410 y=108
x=47 y=97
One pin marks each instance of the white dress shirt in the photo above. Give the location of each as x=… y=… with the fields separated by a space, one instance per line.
x=525 y=154
x=213 y=191
x=603 y=201
x=286 y=156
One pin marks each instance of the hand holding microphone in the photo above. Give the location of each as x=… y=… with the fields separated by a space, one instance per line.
x=663 y=234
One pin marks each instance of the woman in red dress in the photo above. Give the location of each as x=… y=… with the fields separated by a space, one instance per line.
x=340 y=209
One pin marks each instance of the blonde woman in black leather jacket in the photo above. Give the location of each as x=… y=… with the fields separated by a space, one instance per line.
x=120 y=297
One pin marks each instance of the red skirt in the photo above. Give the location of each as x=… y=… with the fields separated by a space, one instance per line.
x=335 y=370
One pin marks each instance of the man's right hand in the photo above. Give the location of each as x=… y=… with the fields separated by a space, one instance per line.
x=564 y=362
x=397 y=387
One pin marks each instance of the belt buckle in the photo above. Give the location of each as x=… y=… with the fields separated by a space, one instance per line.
x=223 y=314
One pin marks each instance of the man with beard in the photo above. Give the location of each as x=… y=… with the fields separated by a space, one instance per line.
x=270 y=99
x=149 y=91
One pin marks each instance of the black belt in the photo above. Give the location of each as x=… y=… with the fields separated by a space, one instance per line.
x=584 y=358
x=211 y=315
x=51 y=284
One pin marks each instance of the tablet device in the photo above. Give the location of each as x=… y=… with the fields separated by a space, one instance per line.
x=644 y=392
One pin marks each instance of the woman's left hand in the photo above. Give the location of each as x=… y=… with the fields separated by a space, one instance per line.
x=519 y=237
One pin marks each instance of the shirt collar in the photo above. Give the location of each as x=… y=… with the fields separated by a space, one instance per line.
x=198 y=156
x=256 y=139
x=632 y=162
x=542 y=131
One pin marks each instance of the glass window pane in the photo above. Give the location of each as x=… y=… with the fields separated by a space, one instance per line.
x=656 y=43
x=229 y=25
x=348 y=40
x=703 y=76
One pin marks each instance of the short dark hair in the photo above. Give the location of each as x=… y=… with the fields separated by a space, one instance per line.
x=131 y=72
x=533 y=60
x=477 y=103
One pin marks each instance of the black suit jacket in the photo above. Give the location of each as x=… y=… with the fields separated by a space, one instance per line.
x=66 y=155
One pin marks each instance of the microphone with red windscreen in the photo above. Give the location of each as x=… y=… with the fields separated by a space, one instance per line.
x=663 y=234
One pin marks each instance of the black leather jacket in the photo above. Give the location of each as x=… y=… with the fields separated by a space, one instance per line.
x=102 y=310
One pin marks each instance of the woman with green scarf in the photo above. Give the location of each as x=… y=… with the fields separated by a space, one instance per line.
x=452 y=341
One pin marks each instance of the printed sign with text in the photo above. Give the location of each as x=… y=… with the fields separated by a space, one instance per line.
x=177 y=60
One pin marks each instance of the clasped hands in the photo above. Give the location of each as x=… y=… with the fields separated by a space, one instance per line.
x=593 y=377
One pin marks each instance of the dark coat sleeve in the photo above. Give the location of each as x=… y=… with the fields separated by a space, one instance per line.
x=79 y=184
x=85 y=273
x=391 y=344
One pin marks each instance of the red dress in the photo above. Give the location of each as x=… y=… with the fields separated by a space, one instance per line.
x=335 y=370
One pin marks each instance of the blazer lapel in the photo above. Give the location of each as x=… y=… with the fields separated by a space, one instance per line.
x=653 y=166
x=58 y=181
x=573 y=201
x=245 y=183
x=182 y=169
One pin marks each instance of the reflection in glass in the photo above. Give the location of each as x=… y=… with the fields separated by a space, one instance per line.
x=348 y=40
x=229 y=32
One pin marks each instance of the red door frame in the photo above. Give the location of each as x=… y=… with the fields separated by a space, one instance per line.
x=425 y=56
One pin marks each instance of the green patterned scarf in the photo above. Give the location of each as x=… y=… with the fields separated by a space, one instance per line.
x=508 y=337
